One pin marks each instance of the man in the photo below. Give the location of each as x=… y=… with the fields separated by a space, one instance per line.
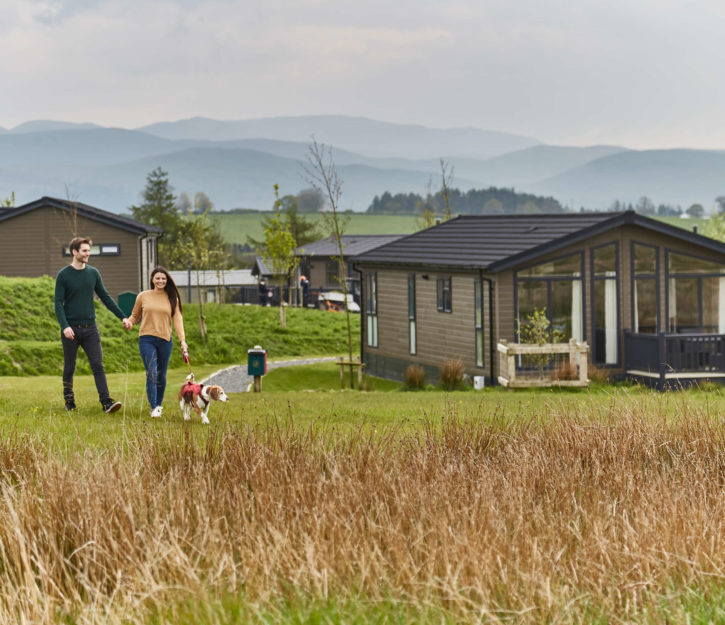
x=305 y=285
x=74 y=289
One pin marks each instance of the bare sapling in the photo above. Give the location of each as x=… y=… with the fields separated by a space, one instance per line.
x=322 y=175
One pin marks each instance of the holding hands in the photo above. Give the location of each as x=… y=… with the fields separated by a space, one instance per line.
x=126 y=323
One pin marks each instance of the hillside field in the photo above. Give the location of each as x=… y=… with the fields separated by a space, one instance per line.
x=237 y=226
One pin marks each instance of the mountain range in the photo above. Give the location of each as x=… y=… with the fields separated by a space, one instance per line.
x=237 y=163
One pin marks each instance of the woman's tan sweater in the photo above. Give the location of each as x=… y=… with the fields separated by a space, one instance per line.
x=154 y=310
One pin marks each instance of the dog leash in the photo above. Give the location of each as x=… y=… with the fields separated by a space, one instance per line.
x=185 y=354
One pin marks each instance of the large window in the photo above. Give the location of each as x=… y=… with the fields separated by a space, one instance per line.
x=645 y=294
x=695 y=295
x=478 y=320
x=371 y=308
x=605 y=304
x=444 y=294
x=412 y=337
x=555 y=286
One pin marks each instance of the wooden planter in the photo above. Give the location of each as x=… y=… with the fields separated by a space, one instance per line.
x=512 y=377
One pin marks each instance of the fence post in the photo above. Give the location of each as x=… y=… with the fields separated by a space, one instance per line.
x=572 y=352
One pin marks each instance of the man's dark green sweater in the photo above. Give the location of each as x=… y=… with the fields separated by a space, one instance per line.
x=74 y=289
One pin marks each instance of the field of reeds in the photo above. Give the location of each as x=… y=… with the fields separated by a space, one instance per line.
x=606 y=506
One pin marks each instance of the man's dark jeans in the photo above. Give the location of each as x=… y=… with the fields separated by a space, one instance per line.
x=89 y=339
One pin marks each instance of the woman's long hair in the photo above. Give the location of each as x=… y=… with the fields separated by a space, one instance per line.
x=171 y=291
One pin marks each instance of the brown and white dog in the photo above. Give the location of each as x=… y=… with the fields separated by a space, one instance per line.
x=199 y=397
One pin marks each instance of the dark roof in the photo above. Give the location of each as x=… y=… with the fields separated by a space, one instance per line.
x=352 y=244
x=83 y=210
x=496 y=242
x=261 y=269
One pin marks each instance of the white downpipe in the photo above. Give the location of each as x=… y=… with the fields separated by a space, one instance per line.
x=610 y=320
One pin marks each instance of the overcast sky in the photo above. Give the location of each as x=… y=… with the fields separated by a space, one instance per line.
x=638 y=73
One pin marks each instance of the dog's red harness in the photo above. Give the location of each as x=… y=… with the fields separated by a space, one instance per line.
x=189 y=390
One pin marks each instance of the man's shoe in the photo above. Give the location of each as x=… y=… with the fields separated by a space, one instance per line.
x=111 y=406
x=70 y=404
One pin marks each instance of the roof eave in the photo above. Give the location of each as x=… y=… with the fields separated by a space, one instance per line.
x=89 y=212
x=412 y=263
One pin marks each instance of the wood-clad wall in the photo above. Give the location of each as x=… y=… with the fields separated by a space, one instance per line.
x=440 y=335
x=31 y=245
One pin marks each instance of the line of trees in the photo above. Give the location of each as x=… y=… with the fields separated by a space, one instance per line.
x=645 y=206
x=491 y=201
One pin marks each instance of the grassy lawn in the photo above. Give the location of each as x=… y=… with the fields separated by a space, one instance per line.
x=311 y=395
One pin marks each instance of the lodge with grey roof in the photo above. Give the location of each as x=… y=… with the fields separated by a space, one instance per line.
x=648 y=298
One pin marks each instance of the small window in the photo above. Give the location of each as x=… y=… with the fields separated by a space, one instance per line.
x=101 y=249
x=684 y=263
x=645 y=259
x=444 y=295
x=565 y=267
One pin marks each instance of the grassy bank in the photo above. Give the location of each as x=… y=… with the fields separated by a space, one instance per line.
x=30 y=341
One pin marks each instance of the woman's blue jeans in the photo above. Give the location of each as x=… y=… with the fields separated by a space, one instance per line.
x=155 y=353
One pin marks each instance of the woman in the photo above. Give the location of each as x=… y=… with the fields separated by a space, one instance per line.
x=157 y=308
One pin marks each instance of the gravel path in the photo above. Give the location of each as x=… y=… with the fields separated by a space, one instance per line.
x=235 y=379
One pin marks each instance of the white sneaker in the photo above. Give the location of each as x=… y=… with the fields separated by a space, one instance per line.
x=156 y=412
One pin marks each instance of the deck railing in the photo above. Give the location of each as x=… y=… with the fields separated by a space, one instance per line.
x=664 y=358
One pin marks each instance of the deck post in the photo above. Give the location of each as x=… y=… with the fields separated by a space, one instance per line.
x=661 y=348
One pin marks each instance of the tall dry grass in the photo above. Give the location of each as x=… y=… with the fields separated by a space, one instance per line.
x=574 y=517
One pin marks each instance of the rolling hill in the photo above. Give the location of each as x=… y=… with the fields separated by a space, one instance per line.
x=671 y=176
x=357 y=134
x=237 y=163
